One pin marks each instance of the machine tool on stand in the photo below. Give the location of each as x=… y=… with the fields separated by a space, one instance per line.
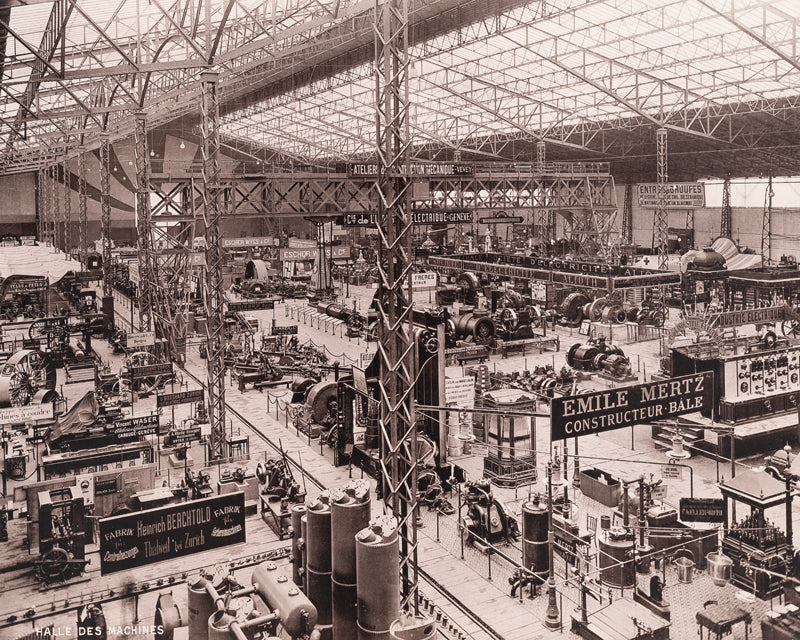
x=483 y=518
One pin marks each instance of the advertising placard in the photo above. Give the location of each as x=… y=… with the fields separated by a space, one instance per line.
x=27 y=284
x=440 y=217
x=423 y=169
x=150 y=370
x=284 y=331
x=357 y=220
x=181 y=397
x=702 y=509
x=140 y=339
x=678 y=195
x=179 y=437
x=611 y=409
x=129 y=429
x=257 y=241
x=460 y=392
x=28 y=413
x=251 y=305
x=424 y=281
x=137 y=539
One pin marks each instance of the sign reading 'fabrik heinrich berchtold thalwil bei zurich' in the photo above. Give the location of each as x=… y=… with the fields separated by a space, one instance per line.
x=611 y=409
x=144 y=537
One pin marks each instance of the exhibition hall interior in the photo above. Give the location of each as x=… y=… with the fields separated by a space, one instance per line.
x=399 y=319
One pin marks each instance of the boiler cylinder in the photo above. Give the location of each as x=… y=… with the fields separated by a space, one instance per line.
x=616 y=562
x=296 y=612
x=535 y=555
x=350 y=513
x=377 y=557
x=200 y=606
x=480 y=328
x=298 y=511
x=318 y=555
x=219 y=626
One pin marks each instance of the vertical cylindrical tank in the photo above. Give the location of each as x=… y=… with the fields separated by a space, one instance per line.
x=378 y=578
x=409 y=627
x=296 y=612
x=350 y=513
x=616 y=561
x=303 y=551
x=201 y=606
x=298 y=511
x=318 y=555
x=535 y=551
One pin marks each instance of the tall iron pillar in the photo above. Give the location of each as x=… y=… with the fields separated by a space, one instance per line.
x=543 y=217
x=766 y=225
x=40 y=205
x=147 y=278
x=67 y=234
x=82 y=207
x=726 y=220
x=105 y=213
x=214 y=298
x=47 y=205
x=56 y=211
x=396 y=344
x=661 y=216
x=627 y=215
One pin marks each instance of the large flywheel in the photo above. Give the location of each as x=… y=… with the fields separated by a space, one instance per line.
x=23 y=375
x=142 y=359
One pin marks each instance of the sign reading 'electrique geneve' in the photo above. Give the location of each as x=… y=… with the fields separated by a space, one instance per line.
x=612 y=409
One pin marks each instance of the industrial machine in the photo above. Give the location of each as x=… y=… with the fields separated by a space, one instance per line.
x=484 y=519
x=62 y=535
x=598 y=355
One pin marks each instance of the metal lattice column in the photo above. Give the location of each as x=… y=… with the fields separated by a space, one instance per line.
x=661 y=221
x=82 y=206
x=396 y=341
x=105 y=214
x=56 y=211
x=147 y=278
x=726 y=220
x=40 y=205
x=627 y=215
x=766 y=225
x=544 y=214
x=214 y=299
x=67 y=233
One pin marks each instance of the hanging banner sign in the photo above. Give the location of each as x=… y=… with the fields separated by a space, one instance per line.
x=302 y=254
x=365 y=359
x=678 y=195
x=357 y=220
x=251 y=305
x=424 y=169
x=601 y=411
x=284 y=331
x=501 y=220
x=132 y=428
x=141 y=339
x=763 y=315
x=702 y=509
x=424 y=281
x=181 y=397
x=133 y=273
x=150 y=371
x=262 y=241
x=141 y=538
x=28 y=413
x=440 y=217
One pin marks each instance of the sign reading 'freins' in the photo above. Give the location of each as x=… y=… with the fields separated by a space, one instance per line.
x=601 y=411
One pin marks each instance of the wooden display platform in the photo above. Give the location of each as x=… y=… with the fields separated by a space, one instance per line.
x=618 y=621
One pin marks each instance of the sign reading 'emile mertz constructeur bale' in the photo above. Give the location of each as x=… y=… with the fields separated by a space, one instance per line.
x=601 y=411
x=144 y=537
